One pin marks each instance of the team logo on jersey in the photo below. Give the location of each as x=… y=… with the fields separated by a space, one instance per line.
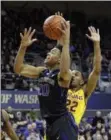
x=46 y=80
x=75 y=96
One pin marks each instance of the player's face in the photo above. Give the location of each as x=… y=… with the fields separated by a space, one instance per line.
x=53 y=57
x=77 y=79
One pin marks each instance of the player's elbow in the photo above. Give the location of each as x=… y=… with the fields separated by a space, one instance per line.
x=97 y=71
x=17 y=69
x=63 y=72
x=64 y=69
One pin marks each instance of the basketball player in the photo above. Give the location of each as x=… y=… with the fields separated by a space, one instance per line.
x=54 y=80
x=6 y=127
x=80 y=90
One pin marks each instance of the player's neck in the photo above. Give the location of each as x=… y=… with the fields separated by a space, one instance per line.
x=75 y=89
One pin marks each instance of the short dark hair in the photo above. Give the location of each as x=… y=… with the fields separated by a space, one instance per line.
x=59 y=47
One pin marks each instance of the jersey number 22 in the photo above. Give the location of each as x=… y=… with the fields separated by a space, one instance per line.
x=72 y=105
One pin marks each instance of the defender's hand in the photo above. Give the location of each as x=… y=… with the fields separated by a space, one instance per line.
x=95 y=36
x=65 y=38
x=26 y=38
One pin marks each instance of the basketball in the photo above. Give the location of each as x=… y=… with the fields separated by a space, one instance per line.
x=51 y=26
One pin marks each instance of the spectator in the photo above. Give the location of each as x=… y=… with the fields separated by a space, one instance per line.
x=103 y=131
x=28 y=130
x=20 y=120
x=21 y=137
x=109 y=134
x=99 y=126
x=88 y=134
x=97 y=118
x=98 y=137
x=81 y=138
x=11 y=114
x=34 y=136
x=33 y=114
x=89 y=138
x=105 y=137
x=34 y=127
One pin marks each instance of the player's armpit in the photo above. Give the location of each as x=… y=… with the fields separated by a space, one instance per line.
x=64 y=79
x=30 y=71
x=91 y=83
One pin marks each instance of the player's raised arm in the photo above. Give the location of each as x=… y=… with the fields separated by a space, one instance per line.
x=19 y=66
x=65 y=55
x=94 y=75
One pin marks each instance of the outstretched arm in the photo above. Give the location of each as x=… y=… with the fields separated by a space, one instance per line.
x=94 y=75
x=19 y=66
x=8 y=127
x=65 y=55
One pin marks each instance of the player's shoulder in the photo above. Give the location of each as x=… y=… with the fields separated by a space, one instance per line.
x=70 y=91
x=85 y=92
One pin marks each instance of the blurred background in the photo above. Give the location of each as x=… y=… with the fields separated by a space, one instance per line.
x=19 y=94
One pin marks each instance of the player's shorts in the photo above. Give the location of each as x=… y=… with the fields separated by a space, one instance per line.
x=64 y=128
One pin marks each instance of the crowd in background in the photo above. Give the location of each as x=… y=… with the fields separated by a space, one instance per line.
x=96 y=128
x=29 y=126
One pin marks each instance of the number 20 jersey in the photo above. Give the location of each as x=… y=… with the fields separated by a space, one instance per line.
x=76 y=104
x=52 y=97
